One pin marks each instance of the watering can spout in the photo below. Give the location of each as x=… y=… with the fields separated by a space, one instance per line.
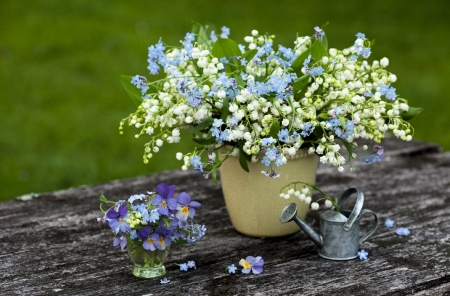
x=290 y=214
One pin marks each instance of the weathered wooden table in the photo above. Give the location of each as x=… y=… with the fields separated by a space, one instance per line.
x=52 y=244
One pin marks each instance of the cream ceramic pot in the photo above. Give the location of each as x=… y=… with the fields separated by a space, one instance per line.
x=253 y=200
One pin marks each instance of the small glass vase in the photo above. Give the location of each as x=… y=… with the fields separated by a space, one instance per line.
x=147 y=264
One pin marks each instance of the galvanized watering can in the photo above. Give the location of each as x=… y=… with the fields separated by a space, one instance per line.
x=339 y=238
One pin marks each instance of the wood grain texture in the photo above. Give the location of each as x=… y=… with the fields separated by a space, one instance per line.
x=52 y=244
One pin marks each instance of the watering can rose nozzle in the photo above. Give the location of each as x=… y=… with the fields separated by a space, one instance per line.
x=289 y=213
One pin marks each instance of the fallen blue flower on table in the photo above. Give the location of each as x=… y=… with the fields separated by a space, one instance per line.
x=183 y=266
x=389 y=223
x=362 y=254
x=231 y=268
x=402 y=231
x=165 y=281
x=191 y=264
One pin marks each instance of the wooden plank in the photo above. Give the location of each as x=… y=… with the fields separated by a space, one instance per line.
x=52 y=244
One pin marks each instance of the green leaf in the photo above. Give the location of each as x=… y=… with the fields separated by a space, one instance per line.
x=203 y=125
x=224 y=47
x=348 y=147
x=200 y=31
x=323 y=116
x=197 y=68
x=300 y=83
x=274 y=129
x=318 y=50
x=204 y=141
x=166 y=221
x=242 y=158
x=318 y=133
x=225 y=108
x=324 y=43
x=102 y=198
x=239 y=80
x=249 y=54
x=297 y=65
x=369 y=43
x=411 y=113
x=180 y=242
x=214 y=174
x=131 y=89
x=342 y=120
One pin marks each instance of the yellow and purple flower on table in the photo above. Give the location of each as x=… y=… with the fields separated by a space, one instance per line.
x=254 y=264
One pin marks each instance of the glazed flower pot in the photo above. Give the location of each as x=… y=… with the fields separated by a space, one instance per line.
x=147 y=264
x=253 y=200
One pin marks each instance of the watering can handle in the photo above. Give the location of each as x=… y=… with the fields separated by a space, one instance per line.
x=372 y=230
x=356 y=210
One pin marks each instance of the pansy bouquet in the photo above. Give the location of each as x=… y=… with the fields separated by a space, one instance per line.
x=264 y=101
x=154 y=220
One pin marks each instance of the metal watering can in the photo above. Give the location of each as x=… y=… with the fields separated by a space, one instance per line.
x=339 y=238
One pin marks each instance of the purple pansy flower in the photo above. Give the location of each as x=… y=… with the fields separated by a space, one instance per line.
x=152 y=242
x=185 y=206
x=165 y=202
x=120 y=240
x=166 y=230
x=117 y=219
x=164 y=199
x=165 y=235
x=143 y=233
x=252 y=264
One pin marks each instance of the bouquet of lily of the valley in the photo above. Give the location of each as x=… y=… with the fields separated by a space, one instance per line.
x=154 y=220
x=266 y=101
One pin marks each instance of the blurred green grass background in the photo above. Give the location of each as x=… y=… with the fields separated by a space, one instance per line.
x=61 y=99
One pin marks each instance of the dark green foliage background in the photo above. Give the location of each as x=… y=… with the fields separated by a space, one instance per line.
x=60 y=94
